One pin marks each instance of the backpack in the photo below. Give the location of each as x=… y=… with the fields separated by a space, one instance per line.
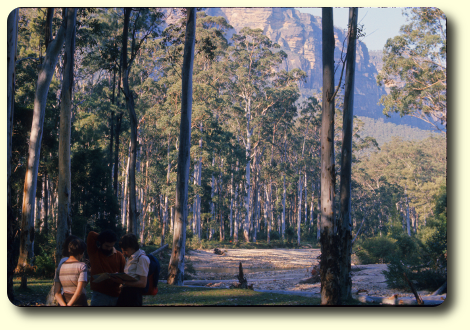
x=152 y=277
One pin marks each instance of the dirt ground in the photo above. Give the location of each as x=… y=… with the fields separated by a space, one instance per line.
x=281 y=269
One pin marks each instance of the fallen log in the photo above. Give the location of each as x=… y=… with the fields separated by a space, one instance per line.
x=440 y=290
x=219 y=252
x=395 y=300
x=159 y=250
x=413 y=289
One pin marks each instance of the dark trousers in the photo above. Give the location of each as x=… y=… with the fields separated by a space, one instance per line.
x=130 y=297
x=81 y=301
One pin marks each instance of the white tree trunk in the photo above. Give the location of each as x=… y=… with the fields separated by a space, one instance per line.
x=283 y=219
x=44 y=80
x=299 y=211
x=176 y=264
x=249 y=133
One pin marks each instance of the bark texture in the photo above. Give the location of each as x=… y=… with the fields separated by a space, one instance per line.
x=64 y=220
x=132 y=209
x=12 y=37
x=44 y=80
x=176 y=265
x=346 y=160
x=329 y=271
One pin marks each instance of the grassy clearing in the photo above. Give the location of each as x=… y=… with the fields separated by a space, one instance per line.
x=169 y=295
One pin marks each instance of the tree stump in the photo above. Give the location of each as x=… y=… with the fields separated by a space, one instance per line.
x=242 y=282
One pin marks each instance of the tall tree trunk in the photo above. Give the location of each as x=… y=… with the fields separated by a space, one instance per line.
x=46 y=205
x=116 y=154
x=283 y=220
x=345 y=234
x=249 y=133
x=319 y=220
x=299 y=210
x=44 y=80
x=306 y=202
x=176 y=265
x=64 y=219
x=329 y=269
x=124 y=197
x=133 y=123
x=12 y=37
x=231 y=204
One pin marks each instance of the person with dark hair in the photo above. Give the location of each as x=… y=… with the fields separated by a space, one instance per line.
x=104 y=258
x=71 y=276
x=65 y=249
x=137 y=266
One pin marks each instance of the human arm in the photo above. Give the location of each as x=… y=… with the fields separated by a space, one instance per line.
x=141 y=283
x=77 y=293
x=58 y=295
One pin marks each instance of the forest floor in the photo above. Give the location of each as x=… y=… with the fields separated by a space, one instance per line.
x=283 y=270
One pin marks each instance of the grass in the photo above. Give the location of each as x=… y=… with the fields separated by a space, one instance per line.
x=170 y=295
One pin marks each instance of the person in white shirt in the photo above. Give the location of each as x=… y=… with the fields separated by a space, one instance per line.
x=137 y=266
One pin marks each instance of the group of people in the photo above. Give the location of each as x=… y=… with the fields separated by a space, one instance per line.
x=72 y=274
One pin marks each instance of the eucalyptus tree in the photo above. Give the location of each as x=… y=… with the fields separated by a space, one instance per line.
x=64 y=219
x=43 y=83
x=415 y=68
x=12 y=37
x=147 y=22
x=346 y=160
x=253 y=59
x=330 y=268
x=176 y=265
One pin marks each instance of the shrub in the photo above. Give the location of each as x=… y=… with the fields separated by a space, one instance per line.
x=376 y=250
x=413 y=260
x=45 y=266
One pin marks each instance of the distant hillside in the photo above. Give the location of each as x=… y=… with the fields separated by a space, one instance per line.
x=383 y=132
x=299 y=35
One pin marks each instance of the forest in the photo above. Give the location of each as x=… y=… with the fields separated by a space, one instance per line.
x=255 y=144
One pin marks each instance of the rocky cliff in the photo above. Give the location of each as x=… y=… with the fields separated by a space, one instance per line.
x=299 y=35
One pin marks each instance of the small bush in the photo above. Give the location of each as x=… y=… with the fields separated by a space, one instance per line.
x=412 y=258
x=45 y=266
x=376 y=250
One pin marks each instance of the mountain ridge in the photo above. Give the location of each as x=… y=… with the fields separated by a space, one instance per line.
x=299 y=35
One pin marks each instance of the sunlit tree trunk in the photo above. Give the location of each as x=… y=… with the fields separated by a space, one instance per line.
x=176 y=265
x=329 y=269
x=42 y=88
x=346 y=161
x=249 y=133
x=132 y=209
x=64 y=219
x=299 y=209
x=283 y=219
x=12 y=37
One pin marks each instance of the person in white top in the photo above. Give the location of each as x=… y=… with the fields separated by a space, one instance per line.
x=137 y=266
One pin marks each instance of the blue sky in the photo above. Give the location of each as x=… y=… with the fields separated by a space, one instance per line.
x=379 y=23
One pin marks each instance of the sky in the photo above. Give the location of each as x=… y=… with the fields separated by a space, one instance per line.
x=379 y=23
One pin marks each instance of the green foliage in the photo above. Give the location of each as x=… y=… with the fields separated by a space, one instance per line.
x=423 y=258
x=94 y=203
x=384 y=132
x=44 y=250
x=380 y=249
x=415 y=68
